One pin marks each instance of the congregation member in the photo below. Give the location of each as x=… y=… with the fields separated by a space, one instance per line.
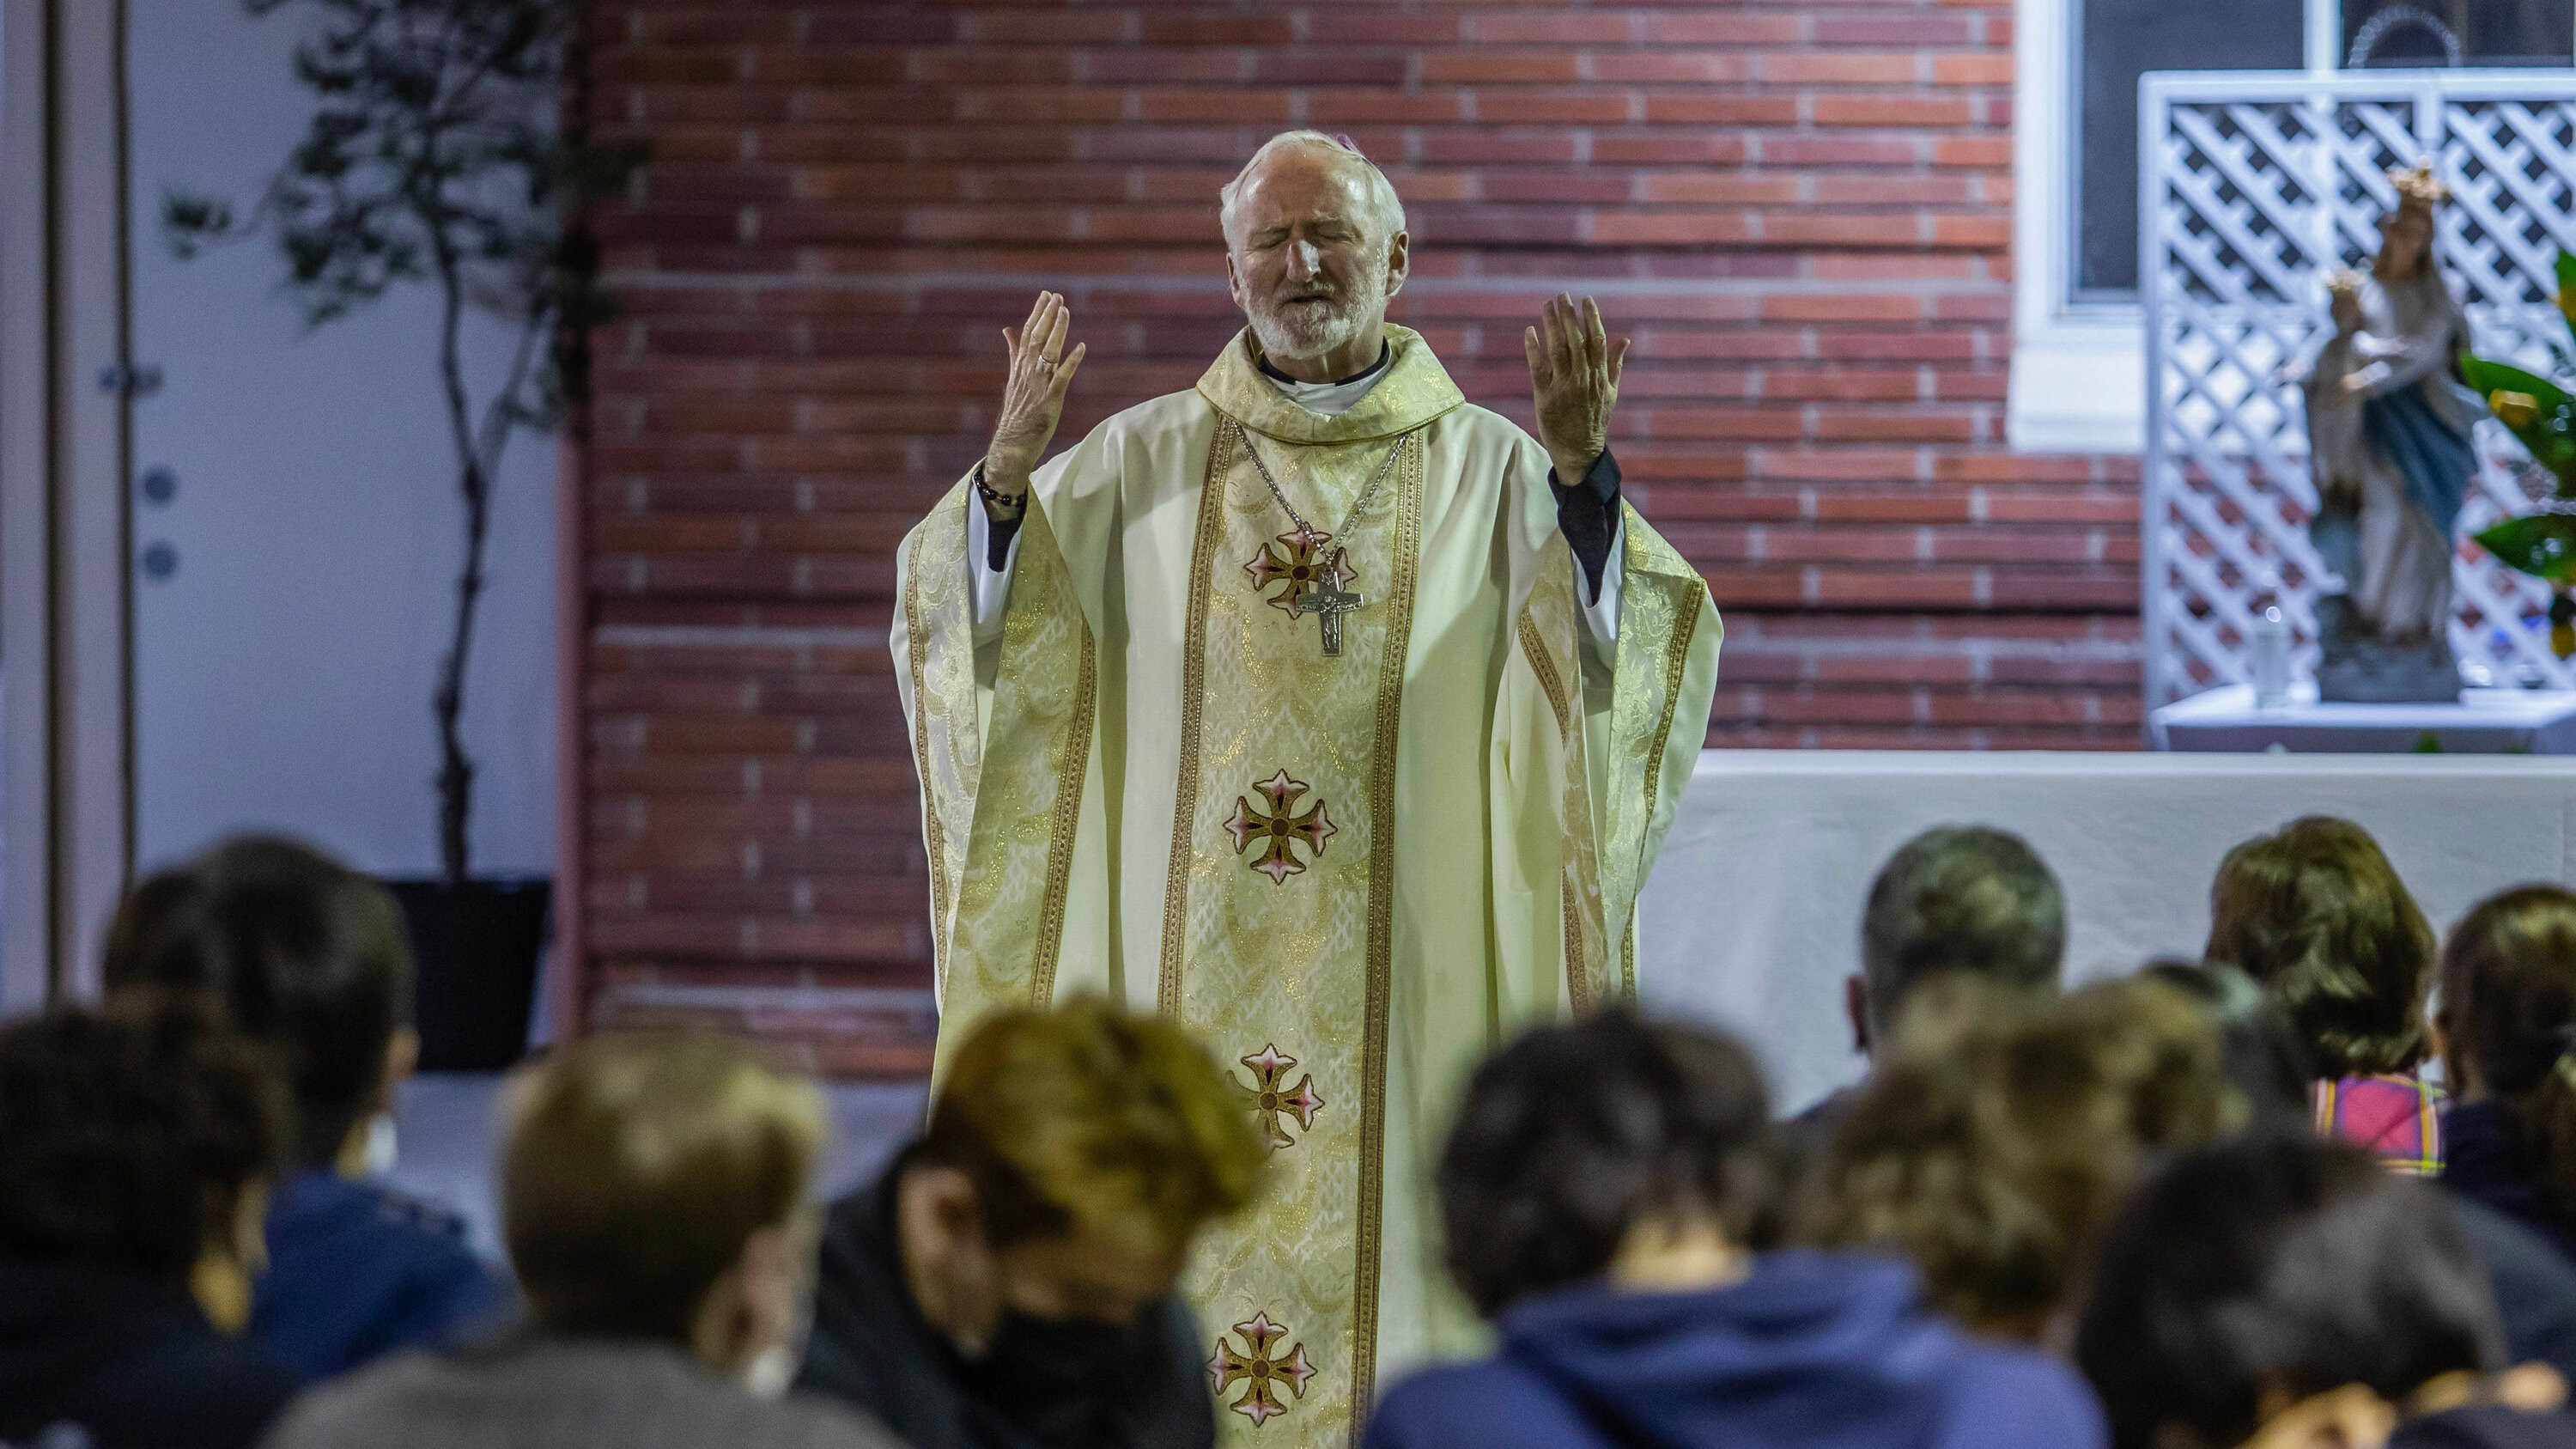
x=2533 y=1281
x=1596 y=1191
x=1008 y=1282
x=2259 y=1049
x=2507 y=1035
x=1955 y=902
x=137 y=1143
x=2284 y=1292
x=654 y=1199
x=313 y=961
x=2318 y=917
x=2002 y=1137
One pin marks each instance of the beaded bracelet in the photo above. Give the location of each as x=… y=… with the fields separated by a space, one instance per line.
x=1007 y=502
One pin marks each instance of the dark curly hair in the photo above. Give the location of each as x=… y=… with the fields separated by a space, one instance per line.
x=2317 y=916
x=2276 y=1263
x=1573 y=1133
x=309 y=956
x=128 y=1132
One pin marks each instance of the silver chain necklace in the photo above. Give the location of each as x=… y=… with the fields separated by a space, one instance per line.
x=1291 y=510
x=1317 y=581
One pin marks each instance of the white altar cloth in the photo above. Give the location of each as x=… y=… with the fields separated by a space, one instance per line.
x=2482 y=721
x=1752 y=916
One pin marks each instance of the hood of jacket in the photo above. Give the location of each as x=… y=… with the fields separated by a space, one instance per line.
x=1808 y=1349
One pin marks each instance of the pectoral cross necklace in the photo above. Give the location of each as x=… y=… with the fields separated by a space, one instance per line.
x=1318 y=582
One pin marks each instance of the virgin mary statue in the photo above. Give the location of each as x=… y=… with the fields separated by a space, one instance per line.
x=2388 y=440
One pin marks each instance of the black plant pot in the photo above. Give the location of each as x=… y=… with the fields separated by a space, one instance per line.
x=475 y=948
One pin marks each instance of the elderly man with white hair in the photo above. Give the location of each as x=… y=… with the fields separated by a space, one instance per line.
x=1323 y=710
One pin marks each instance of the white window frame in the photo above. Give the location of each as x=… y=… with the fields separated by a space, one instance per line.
x=2078 y=380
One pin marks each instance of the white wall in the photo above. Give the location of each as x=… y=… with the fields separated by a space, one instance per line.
x=283 y=673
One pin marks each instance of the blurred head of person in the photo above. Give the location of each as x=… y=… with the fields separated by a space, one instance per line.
x=1995 y=1144
x=143 y=1135
x=1071 y=1157
x=2316 y=915
x=654 y=1188
x=2260 y=1047
x=1956 y=900
x=2277 y=1283
x=2507 y=1026
x=311 y=959
x=1614 y=1146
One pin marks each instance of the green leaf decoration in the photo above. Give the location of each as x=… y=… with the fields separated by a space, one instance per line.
x=2542 y=545
x=2489 y=378
x=2567 y=288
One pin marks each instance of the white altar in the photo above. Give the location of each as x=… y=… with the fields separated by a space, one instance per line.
x=1752 y=916
x=2481 y=721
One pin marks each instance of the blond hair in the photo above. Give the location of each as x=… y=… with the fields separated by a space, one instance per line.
x=1995 y=1147
x=1087 y=1117
x=637 y=1167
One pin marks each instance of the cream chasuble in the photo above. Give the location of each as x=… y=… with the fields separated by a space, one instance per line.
x=1351 y=874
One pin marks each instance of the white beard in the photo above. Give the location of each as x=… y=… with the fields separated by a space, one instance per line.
x=1312 y=330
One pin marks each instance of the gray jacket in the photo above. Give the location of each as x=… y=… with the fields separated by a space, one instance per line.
x=558 y=1393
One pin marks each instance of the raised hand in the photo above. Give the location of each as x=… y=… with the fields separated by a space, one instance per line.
x=1033 y=397
x=1574 y=379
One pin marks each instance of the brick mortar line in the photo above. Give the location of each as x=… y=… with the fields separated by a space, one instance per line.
x=788 y=998
x=785 y=636
x=2103 y=650
x=1015 y=282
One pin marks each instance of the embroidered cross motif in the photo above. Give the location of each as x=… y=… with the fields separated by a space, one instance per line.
x=1271 y=1096
x=1276 y=829
x=1318 y=582
x=1260 y=1402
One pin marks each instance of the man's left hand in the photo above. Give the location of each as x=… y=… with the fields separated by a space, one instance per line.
x=1574 y=379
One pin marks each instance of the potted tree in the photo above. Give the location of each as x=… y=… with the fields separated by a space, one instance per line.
x=448 y=149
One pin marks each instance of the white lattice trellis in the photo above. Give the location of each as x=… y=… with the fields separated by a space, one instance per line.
x=2254 y=184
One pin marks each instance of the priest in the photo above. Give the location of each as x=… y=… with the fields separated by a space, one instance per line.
x=1318 y=708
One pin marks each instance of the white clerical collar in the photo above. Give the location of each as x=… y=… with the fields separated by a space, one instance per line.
x=1332 y=399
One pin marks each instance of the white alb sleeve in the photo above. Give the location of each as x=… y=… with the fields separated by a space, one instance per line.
x=991 y=586
x=1601 y=616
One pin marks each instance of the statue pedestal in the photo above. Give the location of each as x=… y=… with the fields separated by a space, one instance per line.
x=2481 y=722
x=2369 y=672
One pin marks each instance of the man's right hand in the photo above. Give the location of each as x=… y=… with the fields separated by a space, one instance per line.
x=1033 y=398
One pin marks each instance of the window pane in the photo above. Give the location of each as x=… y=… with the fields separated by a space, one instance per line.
x=2117 y=41
x=2479 y=32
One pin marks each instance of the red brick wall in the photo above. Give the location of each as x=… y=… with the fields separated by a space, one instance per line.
x=1800 y=210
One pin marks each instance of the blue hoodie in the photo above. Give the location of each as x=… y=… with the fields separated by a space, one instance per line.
x=1810 y=1350
x=357 y=1271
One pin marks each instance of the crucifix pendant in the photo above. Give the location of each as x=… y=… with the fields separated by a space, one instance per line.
x=1315 y=581
x=1328 y=604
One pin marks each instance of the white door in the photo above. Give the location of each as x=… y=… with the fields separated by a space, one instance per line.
x=296 y=525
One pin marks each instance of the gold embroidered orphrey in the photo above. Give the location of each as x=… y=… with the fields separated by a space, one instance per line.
x=1256 y=1368
x=1317 y=584
x=1271 y=1095
x=1276 y=828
